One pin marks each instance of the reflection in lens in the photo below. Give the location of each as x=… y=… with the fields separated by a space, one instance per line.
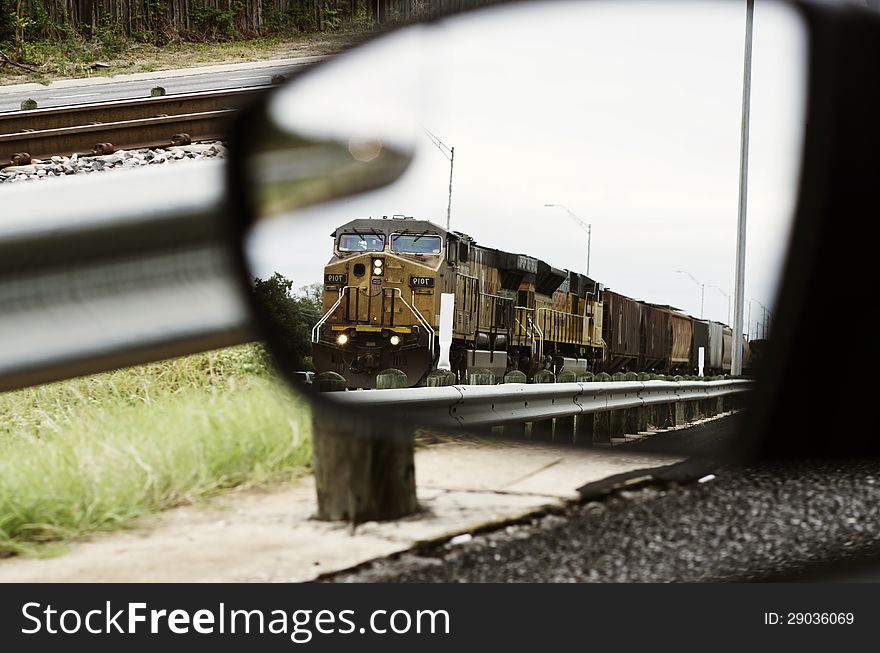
x=590 y=167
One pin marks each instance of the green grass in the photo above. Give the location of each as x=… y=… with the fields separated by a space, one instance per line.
x=95 y=453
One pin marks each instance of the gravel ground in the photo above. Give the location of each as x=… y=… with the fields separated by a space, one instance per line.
x=60 y=166
x=743 y=525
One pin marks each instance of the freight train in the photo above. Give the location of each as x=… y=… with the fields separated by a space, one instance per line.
x=388 y=280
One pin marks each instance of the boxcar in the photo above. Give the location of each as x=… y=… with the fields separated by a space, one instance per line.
x=620 y=331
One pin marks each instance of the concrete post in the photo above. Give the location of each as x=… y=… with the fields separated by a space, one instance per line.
x=480 y=376
x=390 y=379
x=440 y=378
x=329 y=382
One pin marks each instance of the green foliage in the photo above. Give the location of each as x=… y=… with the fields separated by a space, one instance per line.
x=215 y=23
x=332 y=17
x=7 y=21
x=96 y=452
x=292 y=316
x=108 y=34
x=362 y=20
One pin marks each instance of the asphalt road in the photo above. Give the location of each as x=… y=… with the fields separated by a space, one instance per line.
x=760 y=522
x=102 y=89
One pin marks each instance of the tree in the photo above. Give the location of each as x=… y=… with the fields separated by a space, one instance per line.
x=291 y=317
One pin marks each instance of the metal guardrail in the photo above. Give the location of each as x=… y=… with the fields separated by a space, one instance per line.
x=473 y=406
x=103 y=271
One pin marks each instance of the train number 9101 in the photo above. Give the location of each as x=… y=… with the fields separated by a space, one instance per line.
x=335 y=278
x=421 y=282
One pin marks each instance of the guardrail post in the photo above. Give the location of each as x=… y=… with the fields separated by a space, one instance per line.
x=543 y=430
x=705 y=404
x=390 y=379
x=440 y=378
x=516 y=429
x=602 y=420
x=720 y=402
x=618 y=417
x=679 y=409
x=347 y=488
x=564 y=430
x=643 y=413
x=663 y=414
x=584 y=425
x=631 y=416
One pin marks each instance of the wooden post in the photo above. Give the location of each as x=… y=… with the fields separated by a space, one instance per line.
x=543 y=430
x=364 y=470
x=564 y=430
x=517 y=429
x=585 y=425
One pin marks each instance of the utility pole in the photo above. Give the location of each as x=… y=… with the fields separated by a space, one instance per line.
x=739 y=289
x=449 y=153
x=585 y=226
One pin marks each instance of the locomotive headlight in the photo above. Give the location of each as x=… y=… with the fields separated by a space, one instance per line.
x=394 y=340
x=377 y=267
x=341 y=339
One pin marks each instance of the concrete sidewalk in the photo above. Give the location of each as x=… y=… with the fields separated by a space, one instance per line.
x=270 y=536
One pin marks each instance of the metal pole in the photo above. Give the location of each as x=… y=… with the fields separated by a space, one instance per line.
x=702 y=298
x=449 y=206
x=736 y=358
x=589 y=245
x=586 y=227
x=749 y=323
x=702 y=288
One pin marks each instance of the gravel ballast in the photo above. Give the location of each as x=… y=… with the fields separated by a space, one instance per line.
x=61 y=166
x=744 y=524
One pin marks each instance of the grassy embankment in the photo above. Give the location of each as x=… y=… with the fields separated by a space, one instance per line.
x=72 y=58
x=95 y=453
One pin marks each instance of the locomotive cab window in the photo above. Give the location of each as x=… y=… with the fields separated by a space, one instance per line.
x=361 y=243
x=415 y=244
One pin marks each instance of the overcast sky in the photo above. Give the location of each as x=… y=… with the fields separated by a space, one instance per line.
x=627 y=113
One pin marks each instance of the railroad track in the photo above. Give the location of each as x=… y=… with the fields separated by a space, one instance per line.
x=126 y=124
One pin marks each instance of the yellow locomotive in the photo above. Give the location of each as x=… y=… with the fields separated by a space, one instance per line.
x=406 y=294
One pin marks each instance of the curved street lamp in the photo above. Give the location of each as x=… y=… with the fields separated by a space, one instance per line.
x=583 y=225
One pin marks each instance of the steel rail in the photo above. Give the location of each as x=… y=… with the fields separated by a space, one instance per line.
x=476 y=406
x=128 y=134
x=77 y=115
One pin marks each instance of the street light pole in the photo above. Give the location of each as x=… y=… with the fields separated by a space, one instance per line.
x=702 y=289
x=739 y=289
x=449 y=153
x=729 y=297
x=585 y=226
